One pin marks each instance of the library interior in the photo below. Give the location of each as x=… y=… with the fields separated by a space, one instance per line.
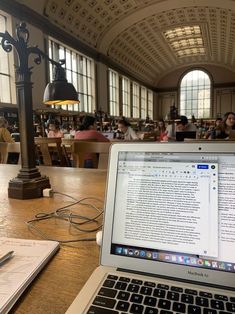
x=90 y=90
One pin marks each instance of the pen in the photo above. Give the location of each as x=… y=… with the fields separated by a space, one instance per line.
x=5 y=257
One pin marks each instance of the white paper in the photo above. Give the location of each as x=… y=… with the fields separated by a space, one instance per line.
x=16 y=273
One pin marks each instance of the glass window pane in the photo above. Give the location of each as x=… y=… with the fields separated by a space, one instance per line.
x=5 y=78
x=195 y=91
x=80 y=72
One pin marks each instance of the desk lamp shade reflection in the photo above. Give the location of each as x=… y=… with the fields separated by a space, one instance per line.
x=60 y=92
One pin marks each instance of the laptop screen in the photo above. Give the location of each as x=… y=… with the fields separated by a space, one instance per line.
x=180 y=136
x=176 y=208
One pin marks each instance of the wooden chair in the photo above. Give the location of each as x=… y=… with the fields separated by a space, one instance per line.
x=99 y=152
x=49 y=151
x=15 y=148
x=3 y=152
x=67 y=144
x=149 y=136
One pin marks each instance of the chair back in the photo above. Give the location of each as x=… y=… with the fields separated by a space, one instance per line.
x=3 y=152
x=98 y=151
x=47 y=148
x=15 y=148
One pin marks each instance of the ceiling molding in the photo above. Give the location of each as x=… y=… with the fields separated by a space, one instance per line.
x=128 y=35
x=28 y=15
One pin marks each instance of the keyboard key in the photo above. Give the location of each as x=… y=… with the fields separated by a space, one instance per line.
x=161 y=286
x=105 y=292
x=215 y=304
x=105 y=302
x=137 y=281
x=159 y=293
x=122 y=295
x=109 y=283
x=202 y=301
x=133 y=288
x=172 y=296
x=124 y=279
x=150 y=310
x=223 y=312
x=230 y=306
x=122 y=306
x=146 y=290
x=113 y=277
x=179 y=307
x=137 y=309
x=150 y=301
x=221 y=297
x=136 y=298
x=149 y=284
x=187 y=298
x=99 y=310
x=205 y=294
x=193 y=309
x=190 y=291
x=164 y=304
x=121 y=285
x=232 y=299
x=209 y=311
x=176 y=289
x=166 y=312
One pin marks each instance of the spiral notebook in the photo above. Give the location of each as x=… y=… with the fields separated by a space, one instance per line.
x=16 y=273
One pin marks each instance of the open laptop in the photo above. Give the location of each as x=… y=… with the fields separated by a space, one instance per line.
x=181 y=135
x=169 y=232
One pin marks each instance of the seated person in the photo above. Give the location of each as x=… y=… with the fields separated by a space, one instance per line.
x=5 y=135
x=184 y=125
x=87 y=131
x=227 y=125
x=54 y=129
x=125 y=128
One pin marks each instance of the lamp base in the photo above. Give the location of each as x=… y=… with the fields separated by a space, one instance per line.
x=27 y=189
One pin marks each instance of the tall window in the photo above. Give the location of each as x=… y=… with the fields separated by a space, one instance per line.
x=7 y=87
x=195 y=94
x=136 y=100
x=126 y=97
x=80 y=71
x=113 y=93
x=143 y=102
x=150 y=104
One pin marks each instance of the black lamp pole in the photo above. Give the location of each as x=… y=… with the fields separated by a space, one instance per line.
x=29 y=183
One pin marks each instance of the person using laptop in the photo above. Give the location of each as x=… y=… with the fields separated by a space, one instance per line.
x=125 y=128
x=182 y=125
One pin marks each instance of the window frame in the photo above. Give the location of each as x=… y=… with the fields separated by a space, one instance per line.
x=80 y=71
x=113 y=93
x=9 y=73
x=126 y=97
x=195 y=111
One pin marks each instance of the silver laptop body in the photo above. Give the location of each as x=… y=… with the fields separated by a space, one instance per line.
x=169 y=226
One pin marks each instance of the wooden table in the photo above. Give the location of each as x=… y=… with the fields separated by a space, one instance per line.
x=56 y=286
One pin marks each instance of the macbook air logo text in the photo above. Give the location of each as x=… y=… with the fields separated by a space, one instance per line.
x=195 y=273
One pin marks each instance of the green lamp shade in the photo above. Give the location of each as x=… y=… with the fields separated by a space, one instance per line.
x=60 y=93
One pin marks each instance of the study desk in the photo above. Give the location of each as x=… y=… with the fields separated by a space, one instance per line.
x=54 y=289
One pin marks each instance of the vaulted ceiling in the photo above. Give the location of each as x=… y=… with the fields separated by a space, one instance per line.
x=141 y=35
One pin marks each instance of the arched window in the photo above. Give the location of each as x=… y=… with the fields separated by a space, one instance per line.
x=195 y=94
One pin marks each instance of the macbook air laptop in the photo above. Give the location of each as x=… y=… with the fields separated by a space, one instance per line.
x=169 y=232
x=181 y=135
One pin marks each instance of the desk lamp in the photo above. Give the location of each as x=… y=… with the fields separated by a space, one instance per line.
x=29 y=183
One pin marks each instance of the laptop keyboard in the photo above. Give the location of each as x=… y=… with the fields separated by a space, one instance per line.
x=128 y=295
